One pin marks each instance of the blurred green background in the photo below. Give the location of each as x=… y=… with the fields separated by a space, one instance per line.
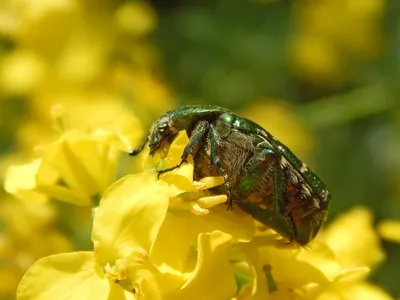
x=322 y=75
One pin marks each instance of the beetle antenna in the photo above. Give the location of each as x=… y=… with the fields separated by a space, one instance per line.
x=136 y=151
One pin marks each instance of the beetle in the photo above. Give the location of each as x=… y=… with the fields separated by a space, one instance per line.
x=262 y=176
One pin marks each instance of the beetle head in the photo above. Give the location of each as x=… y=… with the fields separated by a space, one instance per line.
x=160 y=132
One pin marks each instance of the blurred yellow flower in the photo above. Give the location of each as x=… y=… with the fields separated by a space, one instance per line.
x=136 y=18
x=315 y=59
x=21 y=72
x=74 y=169
x=348 y=237
x=390 y=230
x=355 y=225
x=30 y=234
x=83 y=56
x=170 y=238
x=334 y=35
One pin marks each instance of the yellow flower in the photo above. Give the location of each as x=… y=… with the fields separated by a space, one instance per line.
x=355 y=225
x=125 y=226
x=76 y=168
x=288 y=273
x=332 y=36
x=349 y=236
x=117 y=249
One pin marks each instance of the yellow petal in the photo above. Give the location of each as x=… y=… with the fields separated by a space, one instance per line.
x=353 y=274
x=147 y=282
x=277 y=275
x=285 y=268
x=390 y=230
x=365 y=291
x=233 y=222
x=278 y=271
x=38 y=181
x=260 y=287
x=21 y=181
x=355 y=225
x=63 y=276
x=213 y=276
x=176 y=149
x=181 y=178
x=123 y=133
x=22 y=176
x=65 y=194
x=79 y=160
x=178 y=183
x=173 y=249
x=117 y=292
x=356 y=291
x=322 y=257
x=129 y=216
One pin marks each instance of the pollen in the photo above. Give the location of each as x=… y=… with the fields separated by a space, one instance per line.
x=116 y=272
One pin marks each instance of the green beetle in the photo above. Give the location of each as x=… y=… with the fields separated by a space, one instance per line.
x=262 y=176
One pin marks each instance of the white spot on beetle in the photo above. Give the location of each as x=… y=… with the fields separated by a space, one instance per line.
x=325 y=195
x=303 y=168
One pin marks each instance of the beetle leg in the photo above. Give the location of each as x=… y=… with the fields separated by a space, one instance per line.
x=255 y=171
x=139 y=149
x=283 y=224
x=265 y=164
x=193 y=145
x=278 y=179
x=214 y=138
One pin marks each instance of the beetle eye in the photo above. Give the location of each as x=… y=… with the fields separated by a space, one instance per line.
x=162 y=127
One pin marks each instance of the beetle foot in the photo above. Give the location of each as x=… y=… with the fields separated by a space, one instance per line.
x=171 y=169
x=229 y=200
x=230 y=205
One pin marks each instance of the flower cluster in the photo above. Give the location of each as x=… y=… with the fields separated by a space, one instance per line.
x=170 y=238
x=95 y=60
